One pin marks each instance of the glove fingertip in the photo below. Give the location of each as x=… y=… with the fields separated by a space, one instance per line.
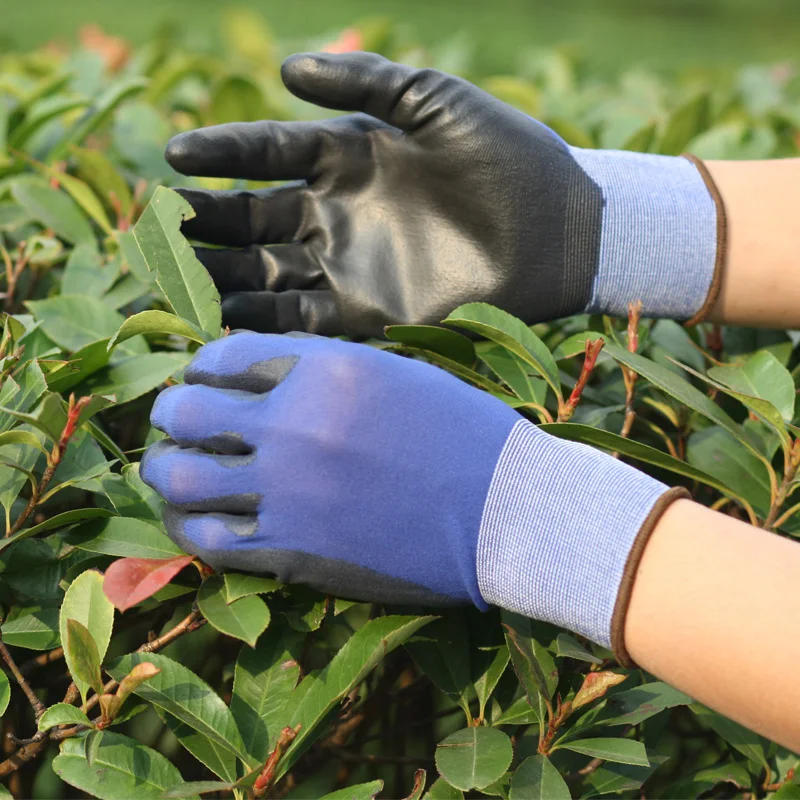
x=179 y=152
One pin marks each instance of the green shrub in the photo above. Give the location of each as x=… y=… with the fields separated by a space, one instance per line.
x=251 y=687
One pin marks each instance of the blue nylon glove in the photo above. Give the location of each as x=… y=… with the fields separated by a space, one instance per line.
x=376 y=477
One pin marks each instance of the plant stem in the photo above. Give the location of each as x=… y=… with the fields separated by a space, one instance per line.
x=593 y=348
x=53 y=460
x=628 y=375
x=779 y=498
x=36 y=704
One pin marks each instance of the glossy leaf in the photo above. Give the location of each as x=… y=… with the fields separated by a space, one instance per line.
x=611 y=777
x=537 y=779
x=157 y=322
x=748 y=743
x=442 y=790
x=489 y=664
x=684 y=124
x=515 y=373
x=136 y=376
x=220 y=760
x=620 y=751
x=362 y=791
x=245 y=618
x=5 y=692
x=85 y=272
x=62 y=714
x=181 y=276
x=532 y=663
x=54 y=523
x=122 y=769
x=178 y=691
x=86 y=604
x=634 y=706
x=129 y=581
x=365 y=648
x=474 y=757
x=238 y=584
x=450 y=344
x=594 y=686
x=569 y=647
x=80 y=652
x=34 y=627
x=510 y=332
x=263 y=682
x=75 y=321
x=123 y=537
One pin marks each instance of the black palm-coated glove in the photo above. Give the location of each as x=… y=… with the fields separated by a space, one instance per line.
x=436 y=195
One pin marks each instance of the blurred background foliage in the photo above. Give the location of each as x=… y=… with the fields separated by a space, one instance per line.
x=611 y=33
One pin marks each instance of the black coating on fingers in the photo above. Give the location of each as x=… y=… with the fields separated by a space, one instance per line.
x=327 y=575
x=258 y=378
x=238 y=218
x=236 y=504
x=280 y=312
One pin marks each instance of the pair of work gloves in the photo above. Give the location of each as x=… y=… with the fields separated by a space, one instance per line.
x=380 y=478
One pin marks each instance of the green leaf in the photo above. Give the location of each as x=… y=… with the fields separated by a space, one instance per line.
x=217 y=758
x=515 y=373
x=86 y=274
x=81 y=364
x=489 y=664
x=568 y=647
x=80 y=652
x=157 y=322
x=41 y=113
x=263 y=682
x=361 y=791
x=365 y=648
x=58 y=521
x=537 y=779
x=183 y=279
x=747 y=742
x=474 y=757
x=450 y=344
x=442 y=653
x=95 y=167
x=5 y=692
x=611 y=442
x=533 y=663
x=123 y=537
x=762 y=376
x=24 y=437
x=621 y=751
x=97 y=114
x=717 y=453
x=677 y=387
x=25 y=456
x=62 y=714
x=237 y=585
x=442 y=790
x=634 y=706
x=684 y=124
x=193 y=788
x=181 y=693
x=510 y=332
x=75 y=321
x=704 y=780
x=575 y=345
x=763 y=409
x=136 y=376
x=33 y=627
x=91 y=745
x=85 y=603
x=53 y=209
x=122 y=769
x=612 y=778
x=245 y=619
x=520 y=712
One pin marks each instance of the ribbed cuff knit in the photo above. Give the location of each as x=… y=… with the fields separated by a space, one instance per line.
x=659 y=239
x=558 y=527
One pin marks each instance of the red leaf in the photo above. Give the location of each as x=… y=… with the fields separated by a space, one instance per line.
x=128 y=581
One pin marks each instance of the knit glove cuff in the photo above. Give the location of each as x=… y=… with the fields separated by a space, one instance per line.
x=561 y=542
x=663 y=234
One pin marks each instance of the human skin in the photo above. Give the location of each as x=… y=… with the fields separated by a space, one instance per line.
x=761 y=277
x=714 y=614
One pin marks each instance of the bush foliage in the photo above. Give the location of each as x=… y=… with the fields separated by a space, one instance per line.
x=233 y=684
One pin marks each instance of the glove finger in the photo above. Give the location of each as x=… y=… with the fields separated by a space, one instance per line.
x=261 y=151
x=212 y=536
x=394 y=93
x=198 y=481
x=211 y=419
x=252 y=362
x=256 y=268
x=238 y=218
x=280 y=312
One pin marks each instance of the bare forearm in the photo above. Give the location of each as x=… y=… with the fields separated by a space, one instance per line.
x=710 y=593
x=761 y=280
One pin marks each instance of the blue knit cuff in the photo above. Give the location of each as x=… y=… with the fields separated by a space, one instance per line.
x=659 y=234
x=558 y=526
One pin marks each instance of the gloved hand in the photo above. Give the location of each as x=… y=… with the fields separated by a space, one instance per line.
x=376 y=477
x=437 y=195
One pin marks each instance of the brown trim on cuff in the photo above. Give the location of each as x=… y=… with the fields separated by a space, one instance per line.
x=722 y=241
x=629 y=573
